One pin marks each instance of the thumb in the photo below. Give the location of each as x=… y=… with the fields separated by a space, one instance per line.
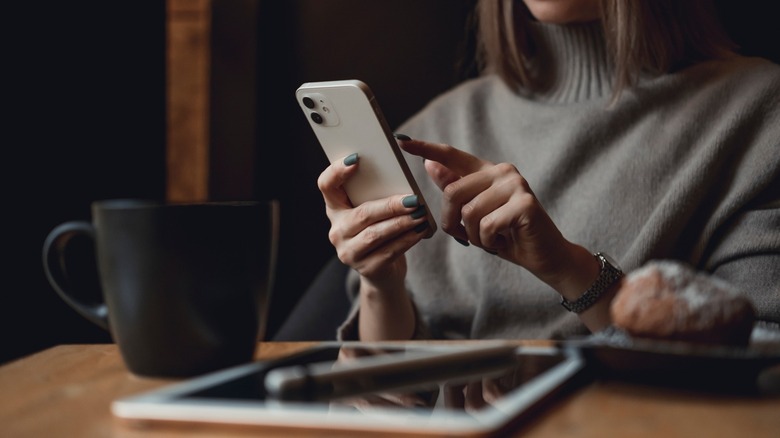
x=441 y=175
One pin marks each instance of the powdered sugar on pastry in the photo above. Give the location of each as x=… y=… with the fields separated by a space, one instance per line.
x=666 y=299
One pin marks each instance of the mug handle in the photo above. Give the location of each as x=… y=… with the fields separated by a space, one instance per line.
x=54 y=266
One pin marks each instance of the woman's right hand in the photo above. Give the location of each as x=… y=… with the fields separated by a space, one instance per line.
x=372 y=239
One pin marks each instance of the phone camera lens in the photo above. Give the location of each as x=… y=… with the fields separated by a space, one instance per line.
x=316 y=117
x=308 y=102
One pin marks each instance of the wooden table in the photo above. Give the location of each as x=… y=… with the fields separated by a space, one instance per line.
x=66 y=391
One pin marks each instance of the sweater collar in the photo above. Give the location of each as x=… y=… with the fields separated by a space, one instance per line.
x=572 y=63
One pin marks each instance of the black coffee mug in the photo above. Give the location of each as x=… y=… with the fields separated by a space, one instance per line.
x=185 y=287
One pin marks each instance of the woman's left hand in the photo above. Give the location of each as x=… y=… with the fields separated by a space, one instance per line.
x=492 y=206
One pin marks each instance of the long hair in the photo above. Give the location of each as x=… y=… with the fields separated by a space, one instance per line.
x=652 y=36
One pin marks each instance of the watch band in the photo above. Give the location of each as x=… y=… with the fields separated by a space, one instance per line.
x=608 y=275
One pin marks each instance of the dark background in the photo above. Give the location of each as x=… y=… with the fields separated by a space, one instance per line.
x=84 y=101
x=84 y=119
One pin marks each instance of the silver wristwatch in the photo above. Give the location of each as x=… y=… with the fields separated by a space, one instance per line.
x=609 y=274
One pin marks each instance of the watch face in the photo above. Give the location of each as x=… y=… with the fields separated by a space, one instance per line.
x=610 y=260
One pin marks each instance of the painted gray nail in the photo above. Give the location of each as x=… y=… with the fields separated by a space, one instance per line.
x=420 y=212
x=351 y=159
x=402 y=137
x=421 y=227
x=410 y=201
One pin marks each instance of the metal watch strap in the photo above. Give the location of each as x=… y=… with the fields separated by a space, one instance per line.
x=607 y=276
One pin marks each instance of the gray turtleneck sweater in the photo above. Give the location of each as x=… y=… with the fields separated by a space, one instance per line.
x=683 y=166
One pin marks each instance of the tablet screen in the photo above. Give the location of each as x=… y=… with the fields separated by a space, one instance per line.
x=460 y=402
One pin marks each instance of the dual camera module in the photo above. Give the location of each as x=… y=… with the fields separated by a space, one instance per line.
x=320 y=109
x=308 y=102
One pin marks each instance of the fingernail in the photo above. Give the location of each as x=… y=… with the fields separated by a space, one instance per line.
x=351 y=159
x=420 y=212
x=410 y=201
x=421 y=227
x=402 y=137
x=489 y=251
x=461 y=241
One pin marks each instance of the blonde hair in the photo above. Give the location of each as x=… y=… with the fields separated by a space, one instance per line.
x=655 y=36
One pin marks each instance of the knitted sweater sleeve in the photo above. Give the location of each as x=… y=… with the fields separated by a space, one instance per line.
x=746 y=252
x=744 y=249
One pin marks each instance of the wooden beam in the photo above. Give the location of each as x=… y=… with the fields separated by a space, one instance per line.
x=187 y=96
x=233 y=120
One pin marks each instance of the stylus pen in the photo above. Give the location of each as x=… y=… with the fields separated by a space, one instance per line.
x=332 y=380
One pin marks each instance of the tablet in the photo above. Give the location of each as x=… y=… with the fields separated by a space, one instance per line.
x=455 y=390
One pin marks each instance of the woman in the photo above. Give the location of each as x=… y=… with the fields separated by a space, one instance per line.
x=619 y=126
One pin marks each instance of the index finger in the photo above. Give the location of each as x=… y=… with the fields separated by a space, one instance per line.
x=455 y=159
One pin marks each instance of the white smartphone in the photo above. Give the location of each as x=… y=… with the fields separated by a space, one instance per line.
x=346 y=119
